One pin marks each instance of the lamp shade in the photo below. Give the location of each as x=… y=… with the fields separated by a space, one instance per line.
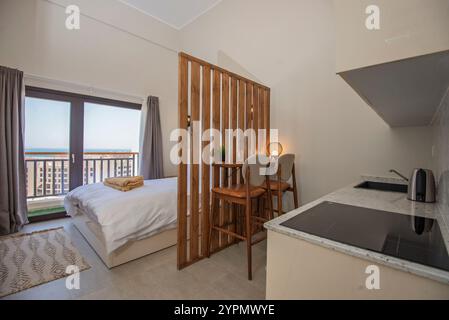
x=275 y=149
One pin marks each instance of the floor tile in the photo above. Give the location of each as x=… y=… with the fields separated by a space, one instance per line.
x=222 y=276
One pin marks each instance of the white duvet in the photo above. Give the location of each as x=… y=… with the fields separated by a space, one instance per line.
x=126 y=216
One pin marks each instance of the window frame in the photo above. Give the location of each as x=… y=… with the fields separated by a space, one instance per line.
x=76 y=145
x=50 y=94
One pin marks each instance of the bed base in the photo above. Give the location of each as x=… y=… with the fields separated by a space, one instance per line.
x=91 y=231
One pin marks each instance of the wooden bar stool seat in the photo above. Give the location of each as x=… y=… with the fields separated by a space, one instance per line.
x=239 y=191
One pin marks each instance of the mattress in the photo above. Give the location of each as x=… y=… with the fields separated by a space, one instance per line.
x=127 y=216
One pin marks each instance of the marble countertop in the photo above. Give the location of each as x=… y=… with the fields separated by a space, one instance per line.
x=380 y=200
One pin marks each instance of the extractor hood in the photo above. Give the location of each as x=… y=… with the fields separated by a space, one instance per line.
x=406 y=92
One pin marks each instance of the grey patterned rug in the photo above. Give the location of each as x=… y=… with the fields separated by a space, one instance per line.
x=28 y=260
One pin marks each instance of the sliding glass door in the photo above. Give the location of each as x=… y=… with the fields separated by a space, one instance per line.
x=47 y=147
x=72 y=140
x=111 y=142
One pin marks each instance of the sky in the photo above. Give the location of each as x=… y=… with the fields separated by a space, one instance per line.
x=47 y=125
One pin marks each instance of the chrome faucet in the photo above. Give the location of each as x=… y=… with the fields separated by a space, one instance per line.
x=397 y=173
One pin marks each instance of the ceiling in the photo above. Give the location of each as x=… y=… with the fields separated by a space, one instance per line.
x=176 y=13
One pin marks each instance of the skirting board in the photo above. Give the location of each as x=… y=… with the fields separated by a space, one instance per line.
x=91 y=231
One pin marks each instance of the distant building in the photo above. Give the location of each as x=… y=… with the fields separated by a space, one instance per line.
x=57 y=178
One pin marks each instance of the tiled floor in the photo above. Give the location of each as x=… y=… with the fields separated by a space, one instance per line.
x=223 y=276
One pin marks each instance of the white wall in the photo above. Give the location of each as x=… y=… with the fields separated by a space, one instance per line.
x=290 y=45
x=408 y=28
x=137 y=56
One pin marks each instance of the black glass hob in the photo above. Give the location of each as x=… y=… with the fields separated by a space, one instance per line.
x=406 y=237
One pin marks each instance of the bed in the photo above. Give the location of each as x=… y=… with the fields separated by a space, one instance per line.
x=123 y=226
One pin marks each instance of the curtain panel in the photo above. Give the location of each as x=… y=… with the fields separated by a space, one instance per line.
x=13 y=203
x=151 y=157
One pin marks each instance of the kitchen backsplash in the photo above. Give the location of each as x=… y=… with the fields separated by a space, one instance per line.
x=441 y=151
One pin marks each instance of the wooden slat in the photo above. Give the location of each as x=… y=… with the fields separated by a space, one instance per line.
x=194 y=174
x=261 y=119
x=261 y=149
x=233 y=125
x=256 y=114
x=241 y=125
x=216 y=170
x=249 y=114
x=261 y=109
x=225 y=108
x=205 y=169
x=267 y=112
x=182 y=167
x=224 y=209
x=241 y=109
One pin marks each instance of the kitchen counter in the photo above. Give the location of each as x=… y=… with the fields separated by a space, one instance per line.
x=379 y=200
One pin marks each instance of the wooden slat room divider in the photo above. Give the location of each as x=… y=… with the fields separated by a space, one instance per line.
x=217 y=99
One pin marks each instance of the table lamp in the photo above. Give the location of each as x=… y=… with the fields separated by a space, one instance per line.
x=275 y=149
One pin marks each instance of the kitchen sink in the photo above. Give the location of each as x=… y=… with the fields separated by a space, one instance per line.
x=383 y=186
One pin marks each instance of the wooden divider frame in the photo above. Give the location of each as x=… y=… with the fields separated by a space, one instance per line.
x=219 y=99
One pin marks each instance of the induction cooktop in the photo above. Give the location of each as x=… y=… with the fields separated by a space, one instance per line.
x=402 y=236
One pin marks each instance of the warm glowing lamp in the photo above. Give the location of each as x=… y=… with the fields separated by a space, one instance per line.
x=275 y=149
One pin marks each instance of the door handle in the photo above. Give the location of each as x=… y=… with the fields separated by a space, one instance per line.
x=73 y=158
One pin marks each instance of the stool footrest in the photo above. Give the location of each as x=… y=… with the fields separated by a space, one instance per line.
x=229 y=232
x=263 y=220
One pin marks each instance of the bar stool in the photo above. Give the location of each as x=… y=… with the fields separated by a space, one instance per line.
x=243 y=195
x=279 y=183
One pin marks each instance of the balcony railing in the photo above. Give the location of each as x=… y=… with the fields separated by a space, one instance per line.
x=48 y=173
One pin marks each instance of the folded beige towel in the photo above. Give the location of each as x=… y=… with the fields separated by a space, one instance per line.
x=124 y=183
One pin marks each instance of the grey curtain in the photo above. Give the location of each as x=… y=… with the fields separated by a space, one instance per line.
x=151 y=164
x=13 y=206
